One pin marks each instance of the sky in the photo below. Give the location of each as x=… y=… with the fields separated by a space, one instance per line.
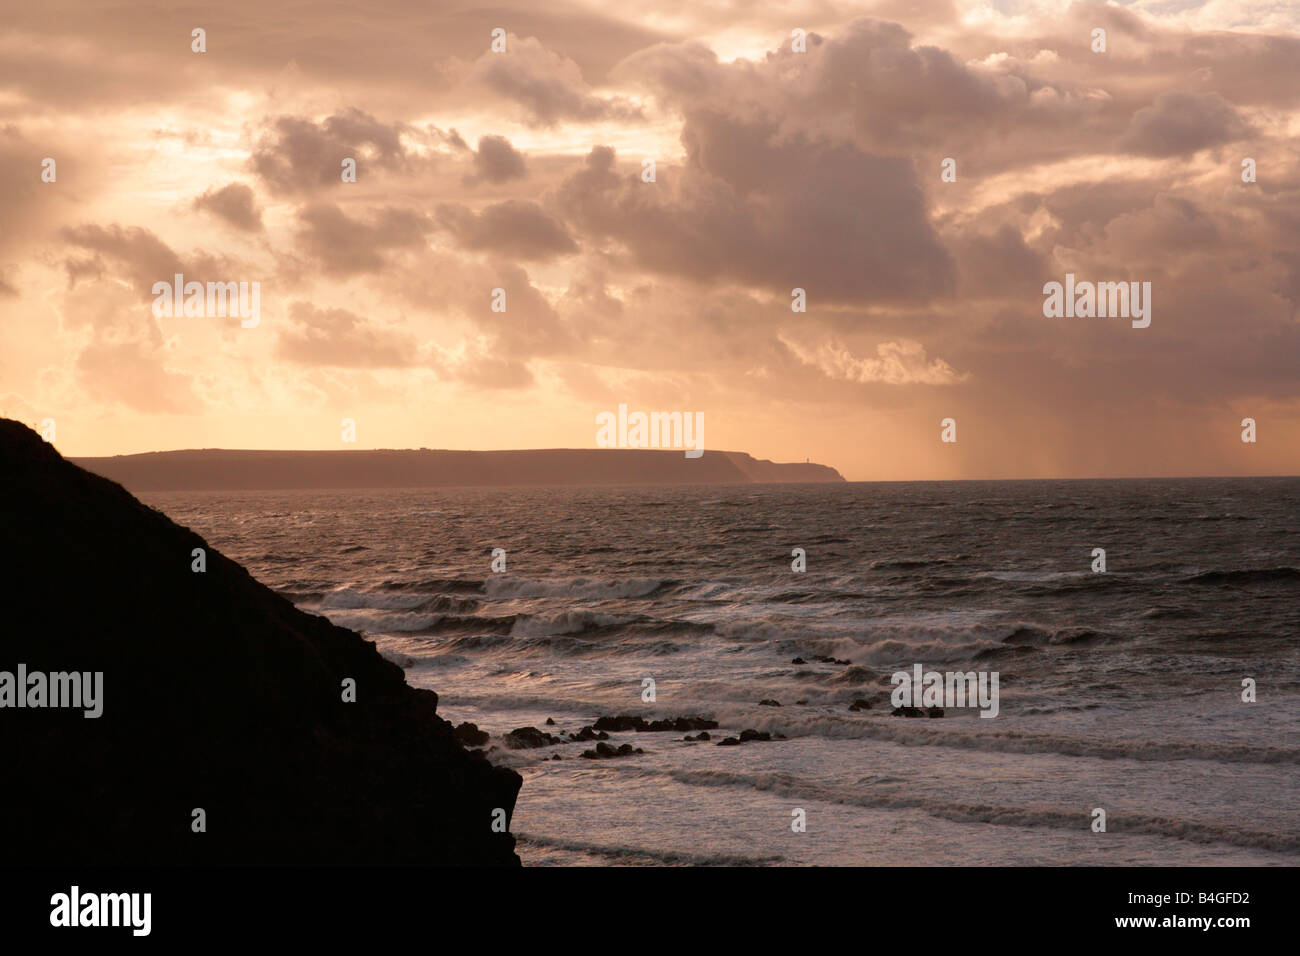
x=794 y=146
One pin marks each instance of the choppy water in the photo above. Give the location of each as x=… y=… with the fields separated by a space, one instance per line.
x=1119 y=690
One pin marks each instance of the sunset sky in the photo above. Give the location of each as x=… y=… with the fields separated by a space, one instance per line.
x=774 y=170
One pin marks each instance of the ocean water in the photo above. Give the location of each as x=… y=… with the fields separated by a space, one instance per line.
x=1119 y=690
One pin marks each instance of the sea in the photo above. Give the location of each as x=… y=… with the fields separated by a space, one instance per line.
x=1162 y=691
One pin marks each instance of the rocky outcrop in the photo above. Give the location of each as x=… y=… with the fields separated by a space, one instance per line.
x=469 y=735
x=528 y=738
x=294 y=738
x=605 y=752
x=587 y=733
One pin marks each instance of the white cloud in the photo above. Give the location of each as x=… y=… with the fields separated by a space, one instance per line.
x=900 y=362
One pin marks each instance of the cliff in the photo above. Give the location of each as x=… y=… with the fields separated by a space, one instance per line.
x=223 y=470
x=217 y=694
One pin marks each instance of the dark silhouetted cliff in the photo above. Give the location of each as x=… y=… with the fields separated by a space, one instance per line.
x=218 y=694
x=221 y=470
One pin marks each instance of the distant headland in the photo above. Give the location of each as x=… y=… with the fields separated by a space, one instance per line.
x=214 y=469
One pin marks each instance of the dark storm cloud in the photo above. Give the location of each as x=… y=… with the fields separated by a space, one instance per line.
x=752 y=205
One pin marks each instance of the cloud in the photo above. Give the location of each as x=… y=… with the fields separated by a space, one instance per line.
x=548 y=86
x=998 y=263
x=1179 y=123
x=342 y=245
x=233 y=203
x=496 y=161
x=336 y=337
x=869 y=82
x=296 y=155
x=775 y=170
x=514 y=228
x=20 y=200
x=141 y=256
x=895 y=363
x=753 y=205
x=482 y=370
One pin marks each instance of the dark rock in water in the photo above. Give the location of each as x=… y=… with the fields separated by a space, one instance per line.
x=469 y=735
x=702 y=735
x=625 y=722
x=621 y=723
x=769 y=702
x=746 y=736
x=605 y=751
x=801 y=701
x=586 y=733
x=550 y=721
x=829 y=660
x=934 y=712
x=527 y=738
x=217 y=694
x=860 y=704
x=906 y=712
x=556 y=757
x=798 y=660
x=682 y=724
